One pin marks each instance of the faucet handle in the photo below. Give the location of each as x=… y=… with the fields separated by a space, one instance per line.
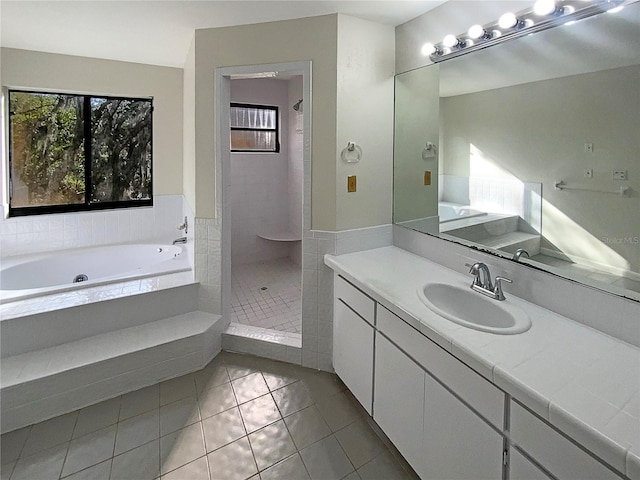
x=498 y=287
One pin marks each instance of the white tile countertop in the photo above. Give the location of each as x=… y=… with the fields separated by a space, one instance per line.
x=580 y=380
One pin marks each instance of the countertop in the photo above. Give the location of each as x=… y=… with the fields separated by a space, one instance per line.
x=580 y=380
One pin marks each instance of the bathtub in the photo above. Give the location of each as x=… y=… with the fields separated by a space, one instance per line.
x=449 y=212
x=29 y=276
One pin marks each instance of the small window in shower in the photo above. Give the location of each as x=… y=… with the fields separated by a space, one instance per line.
x=254 y=128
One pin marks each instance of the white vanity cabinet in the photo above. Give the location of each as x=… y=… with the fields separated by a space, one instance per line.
x=447 y=420
x=399 y=400
x=353 y=336
x=456 y=442
x=437 y=433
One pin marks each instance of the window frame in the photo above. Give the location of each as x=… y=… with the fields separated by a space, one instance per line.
x=248 y=129
x=87 y=206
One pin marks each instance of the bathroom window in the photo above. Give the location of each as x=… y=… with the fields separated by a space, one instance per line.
x=72 y=152
x=254 y=128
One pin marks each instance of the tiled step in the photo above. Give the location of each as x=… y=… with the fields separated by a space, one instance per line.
x=49 y=382
x=511 y=241
x=478 y=228
x=273 y=344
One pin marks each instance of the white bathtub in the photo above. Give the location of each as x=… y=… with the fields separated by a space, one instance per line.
x=28 y=276
x=449 y=212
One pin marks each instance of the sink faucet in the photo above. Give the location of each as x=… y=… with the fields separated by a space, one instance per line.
x=521 y=252
x=181 y=240
x=482 y=281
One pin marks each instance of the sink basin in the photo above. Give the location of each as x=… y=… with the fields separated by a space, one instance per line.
x=474 y=310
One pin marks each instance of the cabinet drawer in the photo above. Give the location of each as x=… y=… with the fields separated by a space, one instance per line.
x=553 y=451
x=484 y=397
x=354 y=298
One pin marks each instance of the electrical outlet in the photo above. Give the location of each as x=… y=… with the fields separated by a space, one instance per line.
x=427 y=177
x=351 y=183
x=588 y=173
x=588 y=148
x=619 y=174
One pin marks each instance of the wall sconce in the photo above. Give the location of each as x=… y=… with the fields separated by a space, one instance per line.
x=543 y=15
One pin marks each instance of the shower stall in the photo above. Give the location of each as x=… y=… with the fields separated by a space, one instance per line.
x=266 y=194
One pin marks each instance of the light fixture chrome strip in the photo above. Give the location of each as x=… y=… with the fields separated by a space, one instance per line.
x=543 y=15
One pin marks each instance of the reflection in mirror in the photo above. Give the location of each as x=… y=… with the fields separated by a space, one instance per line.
x=512 y=121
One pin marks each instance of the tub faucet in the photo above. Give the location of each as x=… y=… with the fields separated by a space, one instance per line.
x=181 y=240
x=184 y=226
x=482 y=281
x=521 y=252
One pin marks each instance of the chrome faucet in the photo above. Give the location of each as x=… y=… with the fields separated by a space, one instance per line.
x=482 y=281
x=184 y=226
x=521 y=252
x=181 y=240
x=482 y=277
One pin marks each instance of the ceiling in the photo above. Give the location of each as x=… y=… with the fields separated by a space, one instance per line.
x=160 y=32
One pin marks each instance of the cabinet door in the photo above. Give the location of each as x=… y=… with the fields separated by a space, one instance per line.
x=522 y=469
x=399 y=400
x=353 y=353
x=457 y=444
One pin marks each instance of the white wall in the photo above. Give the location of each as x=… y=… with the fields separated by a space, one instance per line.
x=307 y=39
x=365 y=63
x=259 y=181
x=38 y=70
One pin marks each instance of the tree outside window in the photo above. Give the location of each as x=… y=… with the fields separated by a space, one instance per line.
x=77 y=152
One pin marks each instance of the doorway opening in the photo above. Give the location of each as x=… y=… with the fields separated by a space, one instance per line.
x=265 y=167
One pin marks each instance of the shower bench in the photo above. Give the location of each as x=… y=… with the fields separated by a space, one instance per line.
x=281 y=236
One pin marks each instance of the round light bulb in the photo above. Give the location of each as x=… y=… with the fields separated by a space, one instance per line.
x=508 y=20
x=428 y=49
x=450 y=41
x=544 y=7
x=476 y=31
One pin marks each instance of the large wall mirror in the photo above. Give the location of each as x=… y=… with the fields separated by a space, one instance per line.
x=531 y=149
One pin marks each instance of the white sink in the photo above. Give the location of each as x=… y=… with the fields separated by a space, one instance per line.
x=474 y=310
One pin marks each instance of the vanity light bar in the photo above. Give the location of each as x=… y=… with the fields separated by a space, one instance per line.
x=543 y=15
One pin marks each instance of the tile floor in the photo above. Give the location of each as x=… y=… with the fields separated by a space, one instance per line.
x=267 y=295
x=241 y=417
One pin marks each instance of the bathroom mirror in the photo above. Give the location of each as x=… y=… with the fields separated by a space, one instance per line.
x=531 y=145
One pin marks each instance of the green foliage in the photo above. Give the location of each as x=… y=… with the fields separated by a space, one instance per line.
x=121 y=149
x=48 y=143
x=47 y=148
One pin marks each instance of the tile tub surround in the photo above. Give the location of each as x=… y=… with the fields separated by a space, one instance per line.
x=43 y=233
x=239 y=417
x=42 y=384
x=580 y=380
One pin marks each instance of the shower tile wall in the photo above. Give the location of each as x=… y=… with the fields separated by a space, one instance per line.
x=259 y=181
x=266 y=197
